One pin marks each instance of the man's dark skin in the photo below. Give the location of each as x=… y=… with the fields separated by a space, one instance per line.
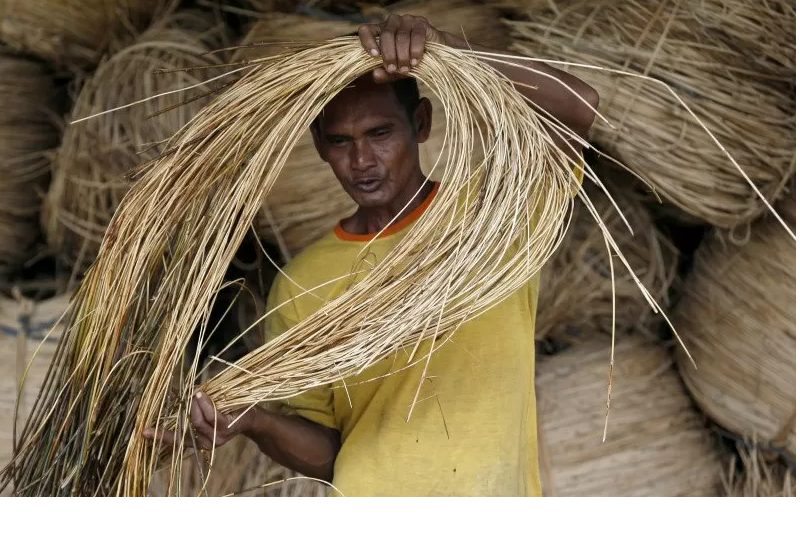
x=365 y=135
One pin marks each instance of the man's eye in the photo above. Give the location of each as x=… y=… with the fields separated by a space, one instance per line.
x=337 y=141
x=381 y=133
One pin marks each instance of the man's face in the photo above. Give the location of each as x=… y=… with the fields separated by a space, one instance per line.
x=368 y=140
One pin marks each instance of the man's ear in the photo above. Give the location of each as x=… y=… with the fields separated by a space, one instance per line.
x=316 y=136
x=423 y=116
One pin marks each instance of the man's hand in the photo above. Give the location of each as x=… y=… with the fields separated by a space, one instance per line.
x=401 y=41
x=203 y=419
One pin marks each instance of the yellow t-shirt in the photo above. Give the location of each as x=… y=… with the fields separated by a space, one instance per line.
x=473 y=429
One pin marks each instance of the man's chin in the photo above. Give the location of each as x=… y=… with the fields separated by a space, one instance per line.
x=376 y=198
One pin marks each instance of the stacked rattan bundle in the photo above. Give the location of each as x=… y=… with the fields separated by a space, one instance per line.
x=761 y=31
x=24 y=359
x=74 y=33
x=655 y=136
x=89 y=173
x=737 y=318
x=656 y=443
x=27 y=133
x=308 y=201
x=576 y=294
x=750 y=474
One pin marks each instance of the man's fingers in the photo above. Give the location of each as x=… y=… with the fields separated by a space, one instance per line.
x=367 y=34
x=199 y=422
x=207 y=409
x=205 y=443
x=388 y=49
x=402 y=44
x=417 y=48
x=162 y=436
x=380 y=75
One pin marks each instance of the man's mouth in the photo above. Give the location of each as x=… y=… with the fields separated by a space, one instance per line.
x=368 y=184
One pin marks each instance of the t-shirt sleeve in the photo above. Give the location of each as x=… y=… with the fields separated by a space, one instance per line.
x=315 y=405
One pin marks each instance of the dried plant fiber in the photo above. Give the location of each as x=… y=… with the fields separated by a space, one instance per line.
x=651 y=134
x=656 y=443
x=737 y=315
x=89 y=172
x=27 y=135
x=471 y=248
x=24 y=360
x=762 y=31
x=750 y=474
x=576 y=295
x=308 y=201
x=74 y=32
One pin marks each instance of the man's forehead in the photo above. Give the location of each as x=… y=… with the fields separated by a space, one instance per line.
x=361 y=99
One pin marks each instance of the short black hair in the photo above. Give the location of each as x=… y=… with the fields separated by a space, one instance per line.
x=407 y=92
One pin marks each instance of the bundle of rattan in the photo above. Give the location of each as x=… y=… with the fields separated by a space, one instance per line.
x=308 y=201
x=654 y=134
x=750 y=474
x=24 y=360
x=27 y=134
x=737 y=318
x=89 y=171
x=656 y=443
x=761 y=32
x=74 y=32
x=152 y=284
x=577 y=294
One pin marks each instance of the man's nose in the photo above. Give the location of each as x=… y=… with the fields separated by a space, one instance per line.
x=362 y=157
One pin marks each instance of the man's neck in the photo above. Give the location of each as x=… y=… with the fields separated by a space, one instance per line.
x=368 y=220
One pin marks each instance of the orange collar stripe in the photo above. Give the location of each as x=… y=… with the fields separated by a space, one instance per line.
x=398 y=226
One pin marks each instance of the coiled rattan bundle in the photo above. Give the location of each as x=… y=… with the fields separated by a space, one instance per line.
x=737 y=317
x=656 y=443
x=28 y=133
x=74 y=33
x=654 y=135
x=763 y=32
x=576 y=295
x=89 y=172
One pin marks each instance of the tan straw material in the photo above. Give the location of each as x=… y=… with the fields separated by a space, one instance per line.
x=737 y=316
x=576 y=294
x=74 y=32
x=28 y=133
x=749 y=475
x=656 y=443
x=89 y=171
x=658 y=139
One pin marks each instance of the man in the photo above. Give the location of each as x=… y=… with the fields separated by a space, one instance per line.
x=473 y=428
